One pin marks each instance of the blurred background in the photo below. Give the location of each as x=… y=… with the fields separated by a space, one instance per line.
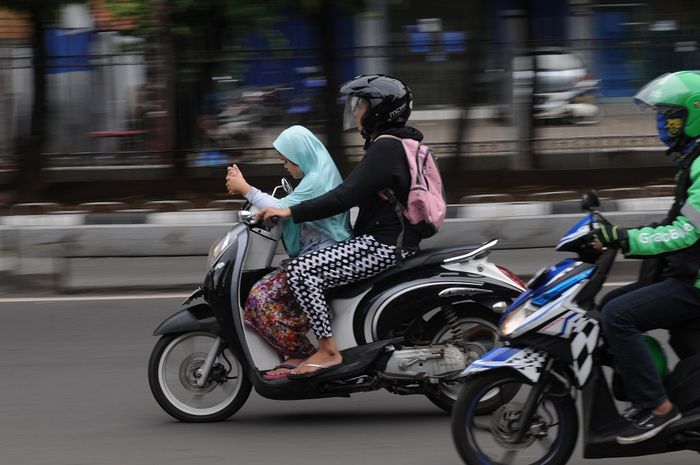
x=138 y=100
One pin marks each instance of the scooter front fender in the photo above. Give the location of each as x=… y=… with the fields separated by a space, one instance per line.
x=199 y=317
x=526 y=361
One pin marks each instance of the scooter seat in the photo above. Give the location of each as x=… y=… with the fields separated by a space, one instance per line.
x=423 y=258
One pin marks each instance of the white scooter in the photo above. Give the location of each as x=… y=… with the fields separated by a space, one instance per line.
x=410 y=330
x=577 y=105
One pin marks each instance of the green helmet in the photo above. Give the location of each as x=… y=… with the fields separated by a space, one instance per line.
x=672 y=92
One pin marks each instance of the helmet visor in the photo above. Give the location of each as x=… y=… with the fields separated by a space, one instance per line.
x=663 y=92
x=353 y=106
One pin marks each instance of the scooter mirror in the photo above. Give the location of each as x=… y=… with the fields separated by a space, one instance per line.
x=590 y=201
x=287 y=186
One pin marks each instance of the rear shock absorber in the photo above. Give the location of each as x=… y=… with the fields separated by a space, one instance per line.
x=452 y=319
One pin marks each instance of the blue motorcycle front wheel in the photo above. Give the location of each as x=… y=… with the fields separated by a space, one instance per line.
x=490 y=439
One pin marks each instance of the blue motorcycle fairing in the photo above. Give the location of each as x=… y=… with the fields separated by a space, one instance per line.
x=524 y=360
x=558 y=289
x=545 y=277
x=561 y=298
x=578 y=231
x=582 y=334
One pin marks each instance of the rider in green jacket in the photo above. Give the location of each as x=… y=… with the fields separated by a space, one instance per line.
x=674 y=298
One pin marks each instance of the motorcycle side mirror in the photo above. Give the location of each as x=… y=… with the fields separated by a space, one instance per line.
x=285 y=186
x=590 y=201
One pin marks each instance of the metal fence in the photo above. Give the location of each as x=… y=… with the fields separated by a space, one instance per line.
x=134 y=108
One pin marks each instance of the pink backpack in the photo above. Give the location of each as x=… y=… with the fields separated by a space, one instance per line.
x=426 y=206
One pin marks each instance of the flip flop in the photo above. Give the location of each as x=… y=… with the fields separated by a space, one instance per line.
x=267 y=376
x=310 y=374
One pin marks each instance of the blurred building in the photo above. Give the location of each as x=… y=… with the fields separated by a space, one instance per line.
x=14 y=34
x=92 y=84
x=106 y=95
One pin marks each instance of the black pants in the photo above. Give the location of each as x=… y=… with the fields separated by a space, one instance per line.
x=630 y=311
x=346 y=262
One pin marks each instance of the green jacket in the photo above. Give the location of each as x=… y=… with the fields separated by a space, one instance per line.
x=678 y=238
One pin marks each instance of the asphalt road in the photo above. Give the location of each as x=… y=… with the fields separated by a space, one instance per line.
x=74 y=392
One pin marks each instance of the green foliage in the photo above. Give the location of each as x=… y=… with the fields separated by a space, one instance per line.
x=45 y=9
x=191 y=20
x=141 y=11
x=197 y=26
x=33 y=5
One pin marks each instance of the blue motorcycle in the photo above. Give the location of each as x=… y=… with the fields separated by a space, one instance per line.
x=554 y=347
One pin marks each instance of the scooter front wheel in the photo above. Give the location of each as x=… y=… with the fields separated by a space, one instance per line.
x=492 y=439
x=174 y=372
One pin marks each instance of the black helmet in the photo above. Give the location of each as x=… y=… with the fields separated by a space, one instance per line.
x=389 y=99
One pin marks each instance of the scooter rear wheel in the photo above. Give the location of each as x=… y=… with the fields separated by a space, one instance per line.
x=480 y=328
x=174 y=370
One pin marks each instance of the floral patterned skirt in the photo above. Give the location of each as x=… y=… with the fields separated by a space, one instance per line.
x=274 y=313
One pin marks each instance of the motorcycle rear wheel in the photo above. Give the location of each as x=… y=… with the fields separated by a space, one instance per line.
x=488 y=439
x=173 y=374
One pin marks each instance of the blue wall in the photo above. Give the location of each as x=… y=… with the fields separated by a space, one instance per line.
x=612 y=60
x=67 y=50
x=299 y=34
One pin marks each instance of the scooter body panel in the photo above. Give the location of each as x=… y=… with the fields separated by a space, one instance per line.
x=198 y=317
x=343 y=311
x=394 y=302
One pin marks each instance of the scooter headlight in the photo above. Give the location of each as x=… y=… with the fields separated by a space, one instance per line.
x=217 y=249
x=516 y=318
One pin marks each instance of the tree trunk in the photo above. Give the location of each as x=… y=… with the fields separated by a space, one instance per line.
x=29 y=150
x=524 y=100
x=333 y=121
x=480 y=16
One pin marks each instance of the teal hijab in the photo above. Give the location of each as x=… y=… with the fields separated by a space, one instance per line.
x=302 y=148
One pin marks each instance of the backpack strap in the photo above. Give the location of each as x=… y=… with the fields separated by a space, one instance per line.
x=388 y=195
x=388 y=136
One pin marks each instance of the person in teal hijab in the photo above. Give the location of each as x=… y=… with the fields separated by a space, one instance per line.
x=305 y=158
x=320 y=175
x=270 y=307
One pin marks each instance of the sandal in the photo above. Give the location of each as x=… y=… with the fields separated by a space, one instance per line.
x=268 y=376
x=319 y=369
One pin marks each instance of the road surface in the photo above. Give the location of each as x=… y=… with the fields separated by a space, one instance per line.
x=75 y=392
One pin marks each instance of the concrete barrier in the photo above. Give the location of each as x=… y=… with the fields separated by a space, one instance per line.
x=169 y=249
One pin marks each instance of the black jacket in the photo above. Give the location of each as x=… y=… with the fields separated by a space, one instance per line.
x=383 y=166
